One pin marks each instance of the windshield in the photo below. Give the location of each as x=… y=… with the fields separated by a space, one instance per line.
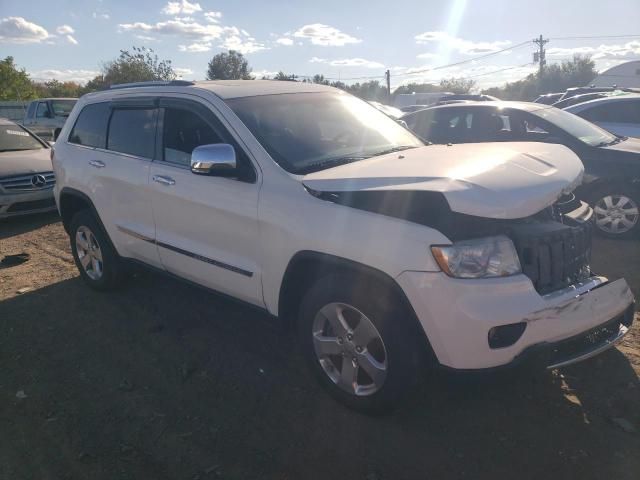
x=307 y=132
x=14 y=138
x=62 y=108
x=575 y=126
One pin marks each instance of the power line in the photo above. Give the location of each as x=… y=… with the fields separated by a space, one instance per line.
x=596 y=37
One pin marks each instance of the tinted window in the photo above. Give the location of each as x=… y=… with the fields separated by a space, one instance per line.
x=62 y=108
x=133 y=131
x=14 y=138
x=619 y=112
x=32 y=110
x=183 y=131
x=42 y=110
x=91 y=126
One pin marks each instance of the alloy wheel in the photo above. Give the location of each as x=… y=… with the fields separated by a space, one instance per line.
x=616 y=214
x=349 y=349
x=89 y=253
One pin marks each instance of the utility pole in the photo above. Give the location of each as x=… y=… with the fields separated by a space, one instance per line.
x=387 y=75
x=540 y=57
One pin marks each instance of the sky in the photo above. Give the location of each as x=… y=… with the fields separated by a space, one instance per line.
x=346 y=40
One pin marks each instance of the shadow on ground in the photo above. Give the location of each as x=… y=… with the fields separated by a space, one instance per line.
x=19 y=225
x=162 y=381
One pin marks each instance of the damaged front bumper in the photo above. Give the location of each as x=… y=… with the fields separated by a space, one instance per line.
x=562 y=327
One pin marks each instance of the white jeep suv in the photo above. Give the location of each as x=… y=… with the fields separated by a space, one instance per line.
x=313 y=205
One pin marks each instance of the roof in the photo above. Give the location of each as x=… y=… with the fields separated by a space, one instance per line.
x=53 y=98
x=608 y=99
x=227 y=89
x=526 y=106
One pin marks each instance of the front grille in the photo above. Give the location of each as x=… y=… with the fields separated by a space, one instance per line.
x=553 y=255
x=33 y=205
x=28 y=182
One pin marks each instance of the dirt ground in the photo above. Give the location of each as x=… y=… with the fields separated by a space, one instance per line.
x=160 y=380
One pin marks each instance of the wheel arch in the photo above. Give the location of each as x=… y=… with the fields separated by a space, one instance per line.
x=307 y=266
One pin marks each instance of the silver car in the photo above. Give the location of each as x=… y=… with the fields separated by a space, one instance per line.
x=26 y=174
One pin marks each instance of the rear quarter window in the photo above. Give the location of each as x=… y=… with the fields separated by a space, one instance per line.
x=90 y=128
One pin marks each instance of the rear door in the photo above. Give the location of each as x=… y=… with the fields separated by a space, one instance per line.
x=621 y=117
x=119 y=143
x=206 y=226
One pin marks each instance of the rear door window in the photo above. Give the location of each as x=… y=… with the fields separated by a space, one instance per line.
x=616 y=112
x=132 y=131
x=91 y=126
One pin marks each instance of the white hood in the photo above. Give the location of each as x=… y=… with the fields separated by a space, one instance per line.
x=493 y=180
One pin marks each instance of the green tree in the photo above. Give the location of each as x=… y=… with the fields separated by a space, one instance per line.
x=457 y=85
x=577 y=72
x=139 y=65
x=285 y=77
x=417 y=88
x=229 y=65
x=56 y=88
x=15 y=83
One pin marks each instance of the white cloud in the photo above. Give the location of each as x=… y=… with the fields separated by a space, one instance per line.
x=183 y=6
x=213 y=16
x=65 y=30
x=235 y=42
x=195 y=47
x=103 y=16
x=192 y=30
x=615 y=51
x=466 y=47
x=71 y=40
x=79 y=76
x=146 y=38
x=325 y=35
x=427 y=56
x=19 y=30
x=284 y=41
x=263 y=73
x=348 y=62
x=182 y=72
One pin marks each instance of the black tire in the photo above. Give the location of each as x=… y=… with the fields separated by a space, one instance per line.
x=389 y=316
x=111 y=268
x=615 y=191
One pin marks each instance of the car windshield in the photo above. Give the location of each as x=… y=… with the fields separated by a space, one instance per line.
x=308 y=132
x=575 y=126
x=62 y=108
x=14 y=138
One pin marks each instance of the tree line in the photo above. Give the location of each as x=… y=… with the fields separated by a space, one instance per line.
x=142 y=64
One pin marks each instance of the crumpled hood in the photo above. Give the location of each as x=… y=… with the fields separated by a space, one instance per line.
x=492 y=180
x=27 y=161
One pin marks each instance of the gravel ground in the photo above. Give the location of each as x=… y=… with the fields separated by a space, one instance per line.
x=162 y=381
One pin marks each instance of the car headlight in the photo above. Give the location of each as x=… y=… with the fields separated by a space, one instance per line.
x=479 y=258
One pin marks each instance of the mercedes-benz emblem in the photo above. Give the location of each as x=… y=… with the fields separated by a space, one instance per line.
x=38 y=181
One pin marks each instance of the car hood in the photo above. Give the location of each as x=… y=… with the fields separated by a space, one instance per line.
x=629 y=145
x=492 y=180
x=27 y=161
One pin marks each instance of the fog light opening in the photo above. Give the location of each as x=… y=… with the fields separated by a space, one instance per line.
x=506 y=335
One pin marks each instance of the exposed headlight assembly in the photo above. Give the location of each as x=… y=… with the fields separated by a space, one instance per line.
x=479 y=258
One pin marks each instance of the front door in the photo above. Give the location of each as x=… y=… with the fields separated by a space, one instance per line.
x=206 y=226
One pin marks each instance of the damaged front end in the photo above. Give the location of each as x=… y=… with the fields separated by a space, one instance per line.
x=553 y=245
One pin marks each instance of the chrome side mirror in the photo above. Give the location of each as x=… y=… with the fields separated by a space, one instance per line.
x=216 y=159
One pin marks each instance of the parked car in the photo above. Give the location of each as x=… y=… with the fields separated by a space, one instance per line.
x=548 y=98
x=26 y=175
x=46 y=116
x=372 y=247
x=612 y=180
x=585 y=97
x=618 y=114
x=413 y=108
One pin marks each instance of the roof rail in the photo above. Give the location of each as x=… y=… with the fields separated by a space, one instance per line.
x=153 y=83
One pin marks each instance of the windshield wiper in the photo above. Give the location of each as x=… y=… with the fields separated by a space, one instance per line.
x=391 y=150
x=612 y=142
x=332 y=162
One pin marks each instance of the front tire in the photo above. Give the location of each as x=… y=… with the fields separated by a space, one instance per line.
x=97 y=261
x=356 y=337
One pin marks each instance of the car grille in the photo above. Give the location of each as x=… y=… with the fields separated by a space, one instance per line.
x=33 y=205
x=28 y=182
x=553 y=255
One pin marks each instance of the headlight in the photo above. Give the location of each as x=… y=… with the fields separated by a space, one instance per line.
x=479 y=258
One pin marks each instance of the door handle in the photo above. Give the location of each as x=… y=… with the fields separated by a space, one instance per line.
x=164 y=180
x=97 y=164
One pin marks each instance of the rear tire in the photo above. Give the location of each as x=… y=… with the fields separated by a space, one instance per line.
x=355 y=335
x=96 y=259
